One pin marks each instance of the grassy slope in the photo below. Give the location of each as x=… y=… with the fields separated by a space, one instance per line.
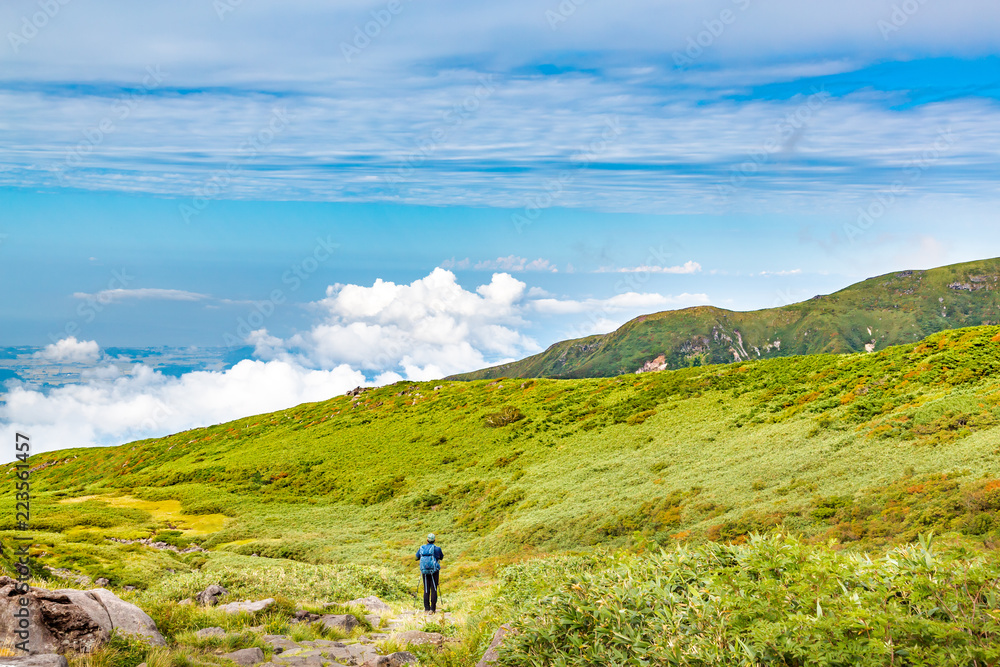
x=823 y=443
x=899 y=308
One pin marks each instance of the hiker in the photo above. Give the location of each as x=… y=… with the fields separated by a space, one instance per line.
x=430 y=557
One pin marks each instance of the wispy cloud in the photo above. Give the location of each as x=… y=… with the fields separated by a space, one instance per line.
x=683 y=132
x=685 y=268
x=618 y=303
x=141 y=294
x=514 y=263
x=791 y=272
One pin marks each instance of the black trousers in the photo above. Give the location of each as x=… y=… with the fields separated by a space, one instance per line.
x=431 y=590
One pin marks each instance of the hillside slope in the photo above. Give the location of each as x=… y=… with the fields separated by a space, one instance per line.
x=893 y=309
x=864 y=447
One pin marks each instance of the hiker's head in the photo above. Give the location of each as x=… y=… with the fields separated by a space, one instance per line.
x=430 y=538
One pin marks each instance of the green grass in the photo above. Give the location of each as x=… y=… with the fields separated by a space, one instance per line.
x=894 y=309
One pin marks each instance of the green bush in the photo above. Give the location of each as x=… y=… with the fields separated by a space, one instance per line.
x=772 y=601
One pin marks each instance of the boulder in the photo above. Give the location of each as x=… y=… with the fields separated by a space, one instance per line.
x=281 y=643
x=343 y=622
x=72 y=620
x=245 y=656
x=210 y=596
x=210 y=632
x=102 y=582
x=246 y=606
x=491 y=656
x=416 y=637
x=374 y=619
x=127 y=618
x=40 y=660
x=371 y=603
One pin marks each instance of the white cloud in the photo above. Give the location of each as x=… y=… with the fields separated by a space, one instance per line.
x=427 y=329
x=107 y=410
x=145 y=293
x=792 y=272
x=618 y=303
x=71 y=350
x=685 y=268
x=460 y=264
x=514 y=263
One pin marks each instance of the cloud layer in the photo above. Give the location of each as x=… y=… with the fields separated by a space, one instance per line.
x=506 y=106
x=379 y=333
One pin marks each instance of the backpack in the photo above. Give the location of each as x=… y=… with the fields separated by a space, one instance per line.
x=428 y=563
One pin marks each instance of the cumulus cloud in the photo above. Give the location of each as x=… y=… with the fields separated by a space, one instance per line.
x=71 y=350
x=685 y=268
x=111 y=409
x=144 y=293
x=429 y=328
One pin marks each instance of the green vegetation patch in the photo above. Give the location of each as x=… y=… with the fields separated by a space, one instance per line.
x=772 y=601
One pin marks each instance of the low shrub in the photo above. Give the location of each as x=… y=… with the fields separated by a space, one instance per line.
x=772 y=601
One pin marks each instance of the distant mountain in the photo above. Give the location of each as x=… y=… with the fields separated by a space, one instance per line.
x=893 y=309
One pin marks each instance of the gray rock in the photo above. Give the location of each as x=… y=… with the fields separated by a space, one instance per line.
x=362 y=653
x=343 y=622
x=245 y=656
x=186 y=602
x=127 y=618
x=491 y=655
x=374 y=619
x=401 y=658
x=40 y=660
x=102 y=582
x=210 y=596
x=416 y=637
x=210 y=632
x=246 y=606
x=72 y=620
x=299 y=660
x=281 y=643
x=371 y=603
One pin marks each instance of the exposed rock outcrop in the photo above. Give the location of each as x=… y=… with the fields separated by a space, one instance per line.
x=71 y=620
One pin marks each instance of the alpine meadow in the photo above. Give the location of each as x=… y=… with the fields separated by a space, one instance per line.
x=585 y=493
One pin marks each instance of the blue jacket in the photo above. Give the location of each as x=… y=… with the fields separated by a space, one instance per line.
x=438 y=554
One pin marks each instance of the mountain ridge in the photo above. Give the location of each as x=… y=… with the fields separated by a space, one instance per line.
x=892 y=309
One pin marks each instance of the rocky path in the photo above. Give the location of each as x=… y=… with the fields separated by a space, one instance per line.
x=362 y=651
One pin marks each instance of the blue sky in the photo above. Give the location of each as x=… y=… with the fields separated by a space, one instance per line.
x=495 y=177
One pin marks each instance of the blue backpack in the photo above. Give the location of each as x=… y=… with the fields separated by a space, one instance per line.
x=428 y=563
